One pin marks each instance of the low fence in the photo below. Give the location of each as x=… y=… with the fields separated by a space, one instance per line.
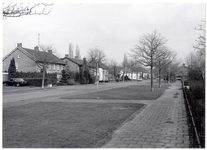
x=196 y=119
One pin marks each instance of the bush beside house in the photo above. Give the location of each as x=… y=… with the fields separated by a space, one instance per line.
x=72 y=78
x=12 y=69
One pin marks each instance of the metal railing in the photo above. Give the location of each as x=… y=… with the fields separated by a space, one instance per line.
x=196 y=119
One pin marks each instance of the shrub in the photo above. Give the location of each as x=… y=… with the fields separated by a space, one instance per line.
x=36 y=81
x=77 y=77
x=197 y=89
x=71 y=82
x=91 y=79
x=51 y=77
x=64 y=76
x=195 y=74
x=70 y=74
x=12 y=69
x=61 y=83
x=197 y=107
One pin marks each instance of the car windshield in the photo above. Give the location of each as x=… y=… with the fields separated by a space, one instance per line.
x=19 y=79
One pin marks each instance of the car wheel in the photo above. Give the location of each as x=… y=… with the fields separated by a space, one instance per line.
x=17 y=84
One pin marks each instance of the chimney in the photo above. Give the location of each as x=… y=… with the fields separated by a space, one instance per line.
x=67 y=55
x=19 y=45
x=50 y=51
x=36 y=48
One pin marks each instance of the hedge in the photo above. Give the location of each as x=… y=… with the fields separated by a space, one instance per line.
x=51 y=77
x=37 y=81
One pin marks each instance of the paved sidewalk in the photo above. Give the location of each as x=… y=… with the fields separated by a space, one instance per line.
x=162 y=124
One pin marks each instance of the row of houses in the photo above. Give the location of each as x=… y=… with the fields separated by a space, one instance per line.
x=26 y=61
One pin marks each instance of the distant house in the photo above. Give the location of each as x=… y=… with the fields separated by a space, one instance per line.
x=135 y=74
x=26 y=60
x=73 y=64
x=103 y=71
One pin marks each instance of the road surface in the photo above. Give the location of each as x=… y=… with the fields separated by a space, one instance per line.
x=38 y=93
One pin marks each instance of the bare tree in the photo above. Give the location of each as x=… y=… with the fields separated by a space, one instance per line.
x=163 y=57
x=201 y=41
x=97 y=56
x=45 y=58
x=113 y=67
x=195 y=61
x=22 y=9
x=144 y=52
x=172 y=68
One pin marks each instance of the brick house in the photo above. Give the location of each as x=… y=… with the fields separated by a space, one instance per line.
x=26 y=60
x=73 y=64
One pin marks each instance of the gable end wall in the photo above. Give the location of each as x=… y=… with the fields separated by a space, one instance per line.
x=25 y=63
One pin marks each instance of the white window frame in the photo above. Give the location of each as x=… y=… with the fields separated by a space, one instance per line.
x=18 y=56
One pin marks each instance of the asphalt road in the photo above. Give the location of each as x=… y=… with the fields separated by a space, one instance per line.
x=37 y=93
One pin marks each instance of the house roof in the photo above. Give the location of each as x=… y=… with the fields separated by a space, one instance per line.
x=38 y=56
x=78 y=61
x=44 y=56
x=75 y=60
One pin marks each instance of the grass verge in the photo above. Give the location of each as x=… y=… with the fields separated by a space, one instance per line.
x=62 y=124
x=133 y=92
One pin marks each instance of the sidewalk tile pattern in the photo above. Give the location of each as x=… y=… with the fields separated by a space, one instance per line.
x=162 y=124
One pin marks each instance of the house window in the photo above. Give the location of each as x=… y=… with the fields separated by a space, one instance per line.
x=16 y=65
x=18 y=56
x=58 y=67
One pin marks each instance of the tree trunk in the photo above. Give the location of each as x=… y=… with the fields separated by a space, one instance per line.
x=160 y=78
x=169 y=76
x=152 y=87
x=43 y=78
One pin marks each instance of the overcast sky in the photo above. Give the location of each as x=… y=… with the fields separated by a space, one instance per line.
x=113 y=28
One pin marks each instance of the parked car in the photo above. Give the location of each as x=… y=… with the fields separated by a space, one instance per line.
x=16 y=82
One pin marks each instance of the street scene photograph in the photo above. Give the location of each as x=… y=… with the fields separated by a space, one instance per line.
x=103 y=75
